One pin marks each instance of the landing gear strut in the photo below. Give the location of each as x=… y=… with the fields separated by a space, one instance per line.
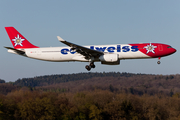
x=158 y=62
x=91 y=65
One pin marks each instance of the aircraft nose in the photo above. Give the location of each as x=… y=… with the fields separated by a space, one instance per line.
x=173 y=50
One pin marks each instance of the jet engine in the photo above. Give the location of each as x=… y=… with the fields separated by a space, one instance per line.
x=110 y=59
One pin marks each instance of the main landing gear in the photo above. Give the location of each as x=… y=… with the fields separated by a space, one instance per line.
x=158 y=62
x=91 y=65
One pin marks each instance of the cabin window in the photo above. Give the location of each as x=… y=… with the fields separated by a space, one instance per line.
x=169 y=47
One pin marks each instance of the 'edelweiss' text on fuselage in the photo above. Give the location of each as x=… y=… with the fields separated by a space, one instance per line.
x=110 y=49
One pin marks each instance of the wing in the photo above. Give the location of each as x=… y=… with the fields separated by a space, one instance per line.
x=82 y=50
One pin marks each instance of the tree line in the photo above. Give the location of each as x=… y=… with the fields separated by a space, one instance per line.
x=85 y=105
x=2 y=81
x=53 y=79
x=92 y=96
x=138 y=84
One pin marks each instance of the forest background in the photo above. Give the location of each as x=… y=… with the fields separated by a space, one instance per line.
x=90 y=96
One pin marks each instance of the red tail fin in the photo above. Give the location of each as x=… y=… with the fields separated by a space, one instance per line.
x=18 y=41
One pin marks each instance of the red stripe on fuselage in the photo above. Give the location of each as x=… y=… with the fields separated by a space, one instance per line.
x=155 y=49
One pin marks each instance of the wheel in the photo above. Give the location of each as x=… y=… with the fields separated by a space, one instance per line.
x=92 y=65
x=88 y=67
x=158 y=62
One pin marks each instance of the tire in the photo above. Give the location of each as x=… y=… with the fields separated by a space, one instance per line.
x=88 y=67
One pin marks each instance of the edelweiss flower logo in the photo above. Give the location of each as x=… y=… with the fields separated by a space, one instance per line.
x=18 y=40
x=150 y=48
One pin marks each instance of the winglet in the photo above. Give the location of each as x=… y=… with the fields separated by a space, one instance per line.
x=60 y=39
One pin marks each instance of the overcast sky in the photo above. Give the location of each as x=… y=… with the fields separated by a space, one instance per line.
x=94 y=22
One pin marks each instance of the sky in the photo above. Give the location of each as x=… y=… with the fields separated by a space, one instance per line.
x=95 y=22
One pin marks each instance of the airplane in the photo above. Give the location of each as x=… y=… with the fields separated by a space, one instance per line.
x=106 y=54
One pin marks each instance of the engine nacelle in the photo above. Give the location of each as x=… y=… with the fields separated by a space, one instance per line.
x=110 y=59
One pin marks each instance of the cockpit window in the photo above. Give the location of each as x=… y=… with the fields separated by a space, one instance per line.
x=169 y=47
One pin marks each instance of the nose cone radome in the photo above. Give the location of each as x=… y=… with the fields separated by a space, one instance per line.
x=173 y=50
x=167 y=50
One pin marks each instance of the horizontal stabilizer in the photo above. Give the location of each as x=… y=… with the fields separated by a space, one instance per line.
x=21 y=52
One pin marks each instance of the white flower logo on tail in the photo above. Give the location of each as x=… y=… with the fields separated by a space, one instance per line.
x=18 y=40
x=150 y=48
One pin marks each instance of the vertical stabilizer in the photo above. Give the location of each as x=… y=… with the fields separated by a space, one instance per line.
x=18 y=41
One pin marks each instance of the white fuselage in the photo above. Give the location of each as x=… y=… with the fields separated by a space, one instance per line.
x=62 y=54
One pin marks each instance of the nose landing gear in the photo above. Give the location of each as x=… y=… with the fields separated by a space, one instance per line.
x=158 y=62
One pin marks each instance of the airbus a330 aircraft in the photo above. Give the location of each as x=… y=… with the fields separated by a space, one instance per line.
x=106 y=54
